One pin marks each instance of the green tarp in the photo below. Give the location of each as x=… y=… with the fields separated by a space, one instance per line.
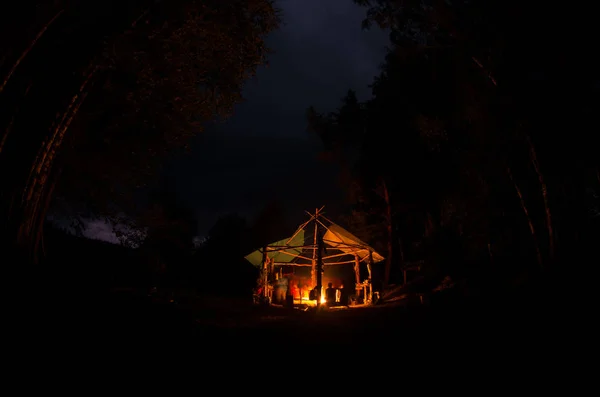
x=256 y=257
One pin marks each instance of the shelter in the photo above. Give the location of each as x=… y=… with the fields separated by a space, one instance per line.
x=319 y=244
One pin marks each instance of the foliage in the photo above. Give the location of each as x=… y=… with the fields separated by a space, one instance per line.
x=182 y=65
x=219 y=266
x=119 y=85
x=461 y=105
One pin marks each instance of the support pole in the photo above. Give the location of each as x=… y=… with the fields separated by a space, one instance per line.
x=357 y=287
x=357 y=269
x=370 y=265
x=319 y=268
x=265 y=273
x=313 y=270
x=370 y=269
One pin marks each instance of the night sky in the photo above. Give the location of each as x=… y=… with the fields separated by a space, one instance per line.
x=264 y=150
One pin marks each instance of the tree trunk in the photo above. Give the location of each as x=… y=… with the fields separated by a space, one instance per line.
x=388 y=220
x=526 y=212
x=27 y=50
x=536 y=166
x=36 y=193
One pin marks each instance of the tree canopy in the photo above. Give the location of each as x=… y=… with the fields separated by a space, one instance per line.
x=94 y=94
x=479 y=130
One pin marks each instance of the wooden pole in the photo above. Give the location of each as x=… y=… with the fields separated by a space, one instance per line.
x=319 y=263
x=357 y=268
x=357 y=287
x=313 y=271
x=369 y=268
x=298 y=230
x=370 y=265
x=265 y=273
x=338 y=263
x=335 y=255
x=293 y=255
x=275 y=248
x=337 y=244
x=290 y=264
x=319 y=268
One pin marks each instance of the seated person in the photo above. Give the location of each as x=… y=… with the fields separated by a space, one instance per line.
x=344 y=298
x=330 y=293
x=295 y=291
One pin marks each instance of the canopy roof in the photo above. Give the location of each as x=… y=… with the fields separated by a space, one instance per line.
x=339 y=245
x=256 y=257
x=338 y=237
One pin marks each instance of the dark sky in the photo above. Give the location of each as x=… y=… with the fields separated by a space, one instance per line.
x=264 y=150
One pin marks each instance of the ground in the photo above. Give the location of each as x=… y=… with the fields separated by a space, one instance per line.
x=235 y=328
x=229 y=330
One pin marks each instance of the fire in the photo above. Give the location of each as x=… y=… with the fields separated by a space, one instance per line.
x=304 y=296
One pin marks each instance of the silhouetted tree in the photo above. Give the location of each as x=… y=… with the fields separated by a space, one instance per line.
x=119 y=84
x=169 y=227
x=458 y=129
x=219 y=265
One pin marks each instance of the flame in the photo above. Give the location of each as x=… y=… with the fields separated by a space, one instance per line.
x=303 y=296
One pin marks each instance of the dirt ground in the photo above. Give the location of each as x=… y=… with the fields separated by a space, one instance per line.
x=222 y=329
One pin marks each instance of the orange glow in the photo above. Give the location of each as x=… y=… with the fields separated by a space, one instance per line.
x=303 y=296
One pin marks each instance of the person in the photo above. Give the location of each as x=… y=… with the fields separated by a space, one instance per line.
x=305 y=292
x=343 y=295
x=289 y=296
x=281 y=290
x=313 y=294
x=330 y=295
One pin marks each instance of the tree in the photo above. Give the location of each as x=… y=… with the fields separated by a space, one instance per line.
x=219 y=265
x=531 y=67
x=169 y=227
x=121 y=84
x=449 y=131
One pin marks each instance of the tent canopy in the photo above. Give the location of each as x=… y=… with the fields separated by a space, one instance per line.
x=335 y=238
x=338 y=237
x=256 y=257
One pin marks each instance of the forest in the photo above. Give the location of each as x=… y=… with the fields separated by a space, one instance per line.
x=475 y=157
x=96 y=95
